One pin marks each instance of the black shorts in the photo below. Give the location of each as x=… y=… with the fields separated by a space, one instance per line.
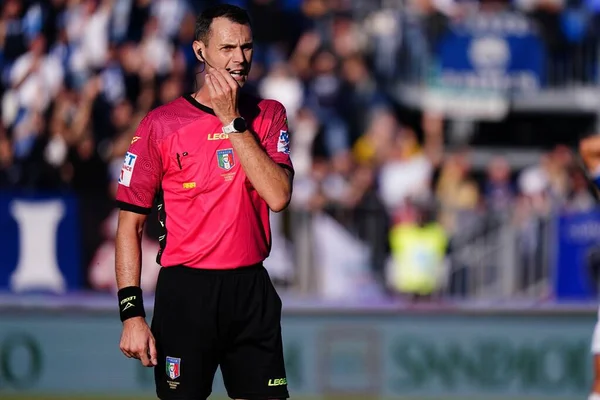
x=204 y=319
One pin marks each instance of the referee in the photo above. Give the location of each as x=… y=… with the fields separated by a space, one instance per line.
x=218 y=162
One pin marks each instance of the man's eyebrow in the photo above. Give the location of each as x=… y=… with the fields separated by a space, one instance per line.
x=246 y=44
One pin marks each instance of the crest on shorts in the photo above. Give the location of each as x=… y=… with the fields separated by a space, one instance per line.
x=225 y=159
x=173 y=367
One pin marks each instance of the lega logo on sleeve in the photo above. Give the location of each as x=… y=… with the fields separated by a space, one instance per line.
x=127 y=169
x=283 y=144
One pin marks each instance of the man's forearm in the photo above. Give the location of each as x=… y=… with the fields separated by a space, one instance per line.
x=128 y=256
x=270 y=180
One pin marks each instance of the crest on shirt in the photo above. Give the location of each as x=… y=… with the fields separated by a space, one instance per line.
x=283 y=144
x=173 y=367
x=225 y=159
x=127 y=169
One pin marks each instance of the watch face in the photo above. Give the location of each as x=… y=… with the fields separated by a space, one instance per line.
x=239 y=124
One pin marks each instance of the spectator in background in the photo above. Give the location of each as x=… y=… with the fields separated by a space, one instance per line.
x=360 y=95
x=12 y=34
x=458 y=194
x=169 y=15
x=375 y=144
x=282 y=85
x=557 y=166
x=323 y=97
x=579 y=198
x=384 y=26
x=156 y=51
x=530 y=216
x=417 y=266
x=306 y=128
x=86 y=25
x=406 y=172
x=499 y=192
x=35 y=79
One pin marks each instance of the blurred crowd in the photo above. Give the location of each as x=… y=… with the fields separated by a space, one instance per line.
x=78 y=75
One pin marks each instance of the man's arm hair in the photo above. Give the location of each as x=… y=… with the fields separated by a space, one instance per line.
x=272 y=181
x=128 y=252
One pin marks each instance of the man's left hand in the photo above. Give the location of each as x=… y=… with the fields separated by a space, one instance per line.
x=223 y=90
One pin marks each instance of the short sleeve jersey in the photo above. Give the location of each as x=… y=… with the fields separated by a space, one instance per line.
x=211 y=215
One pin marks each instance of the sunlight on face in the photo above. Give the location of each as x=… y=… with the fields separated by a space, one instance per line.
x=230 y=46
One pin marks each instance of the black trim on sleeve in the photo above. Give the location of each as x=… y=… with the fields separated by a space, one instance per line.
x=287 y=167
x=133 y=208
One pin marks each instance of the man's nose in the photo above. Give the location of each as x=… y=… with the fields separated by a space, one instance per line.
x=238 y=56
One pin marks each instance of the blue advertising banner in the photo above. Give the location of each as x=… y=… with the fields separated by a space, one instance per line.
x=578 y=255
x=39 y=243
x=501 y=54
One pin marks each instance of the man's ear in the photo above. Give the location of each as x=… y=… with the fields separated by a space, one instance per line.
x=199 y=50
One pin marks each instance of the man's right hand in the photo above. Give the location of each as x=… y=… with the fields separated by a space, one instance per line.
x=137 y=341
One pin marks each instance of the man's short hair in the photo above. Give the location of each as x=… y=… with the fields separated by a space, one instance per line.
x=229 y=11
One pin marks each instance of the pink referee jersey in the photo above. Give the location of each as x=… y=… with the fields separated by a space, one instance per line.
x=211 y=215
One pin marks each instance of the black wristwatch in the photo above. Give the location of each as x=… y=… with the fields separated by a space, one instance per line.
x=238 y=125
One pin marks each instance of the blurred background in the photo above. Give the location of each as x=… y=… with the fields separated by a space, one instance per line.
x=442 y=241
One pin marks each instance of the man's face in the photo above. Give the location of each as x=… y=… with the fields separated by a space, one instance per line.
x=229 y=46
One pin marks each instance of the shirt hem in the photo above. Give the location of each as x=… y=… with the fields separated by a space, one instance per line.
x=226 y=270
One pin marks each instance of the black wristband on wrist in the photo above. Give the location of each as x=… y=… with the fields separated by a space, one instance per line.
x=131 y=303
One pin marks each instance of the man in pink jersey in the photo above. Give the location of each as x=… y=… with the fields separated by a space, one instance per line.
x=216 y=162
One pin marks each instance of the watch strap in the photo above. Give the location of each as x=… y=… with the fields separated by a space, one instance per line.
x=230 y=128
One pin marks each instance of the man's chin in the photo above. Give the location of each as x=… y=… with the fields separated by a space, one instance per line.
x=241 y=80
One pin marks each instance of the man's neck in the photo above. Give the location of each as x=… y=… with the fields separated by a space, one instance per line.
x=202 y=96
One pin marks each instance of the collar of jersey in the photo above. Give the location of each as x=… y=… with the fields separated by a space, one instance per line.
x=197 y=104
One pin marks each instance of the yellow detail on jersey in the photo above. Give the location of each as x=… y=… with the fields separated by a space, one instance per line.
x=218 y=136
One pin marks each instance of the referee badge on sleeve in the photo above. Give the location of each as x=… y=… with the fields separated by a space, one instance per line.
x=173 y=367
x=127 y=169
x=283 y=144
